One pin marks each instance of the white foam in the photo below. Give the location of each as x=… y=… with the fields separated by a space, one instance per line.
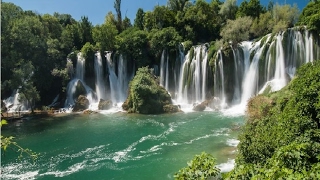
x=233 y=142
x=72 y=169
x=228 y=166
x=235 y=111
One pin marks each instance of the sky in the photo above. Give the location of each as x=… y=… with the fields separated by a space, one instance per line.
x=96 y=10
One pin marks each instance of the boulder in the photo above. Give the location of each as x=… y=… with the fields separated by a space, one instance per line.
x=81 y=104
x=199 y=107
x=104 y=104
x=80 y=89
x=170 y=108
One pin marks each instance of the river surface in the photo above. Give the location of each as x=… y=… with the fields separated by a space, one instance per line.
x=119 y=145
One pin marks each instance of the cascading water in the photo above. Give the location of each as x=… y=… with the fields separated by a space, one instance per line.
x=219 y=91
x=118 y=84
x=77 y=86
x=164 y=70
x=268 y=65
x=113 y=79
x=14 y=105
x=193 y=75
x=123 y=78
x=100 y=85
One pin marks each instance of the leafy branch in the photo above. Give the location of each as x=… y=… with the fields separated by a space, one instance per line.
x=7 y=142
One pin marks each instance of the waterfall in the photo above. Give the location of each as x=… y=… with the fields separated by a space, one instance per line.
x=123 y=78
x=219 y=90
x=193 y=75
x=77 y=86
x=204 y=73
x=250 y=81
x=100 y=85
x=118 y=83
x=164 y=70
x=263 y=66
x=14 y=104
x=113 y=79
x=280 y=74
x=237 y=74
x=80 y=68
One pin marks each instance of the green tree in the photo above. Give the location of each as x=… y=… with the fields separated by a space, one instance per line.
x=126 y=23
x=64 y=19
x=262 y=25
x=284 y=16
x=138 y=21
x=85 y=30
x=178 y=5
x=236 y=30
x=228 y=9
x=52 y=25
x=166 y=38
x=133 y=43
x=253 y=8
x=117 y=7
x=310 y=16
x=105 y=36
x=200 y=22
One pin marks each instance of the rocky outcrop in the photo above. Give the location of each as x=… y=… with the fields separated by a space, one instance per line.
x=170 y=108
x=81 y=104
x=80 y=89
x=104 y=104
x=146 y=96
x=199 y=107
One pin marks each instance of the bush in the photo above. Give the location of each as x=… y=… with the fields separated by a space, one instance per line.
x=200 y=167
x=146 y=96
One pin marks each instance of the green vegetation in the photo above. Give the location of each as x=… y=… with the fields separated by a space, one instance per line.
x=146 y=96
x=8 y=143
x=200 y=167
x=310 y=16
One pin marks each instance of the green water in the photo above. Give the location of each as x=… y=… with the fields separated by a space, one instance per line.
x=118 y=146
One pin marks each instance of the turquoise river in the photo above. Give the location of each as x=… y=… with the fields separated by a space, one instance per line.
x=119 y=145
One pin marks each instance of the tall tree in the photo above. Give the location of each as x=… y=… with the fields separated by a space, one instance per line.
x=126 y=23
x=138 y=21
x=85 y=30
x=117 y=7
x=228 y=9
x=178 y=5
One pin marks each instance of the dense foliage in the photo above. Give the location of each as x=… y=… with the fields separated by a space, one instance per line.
x=44 y=42
x=200 y=167
x=146 y=96
x=281 y=139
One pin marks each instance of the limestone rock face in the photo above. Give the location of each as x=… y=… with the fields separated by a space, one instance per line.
x=82 y=103
x=104 y=104
x=146 y=96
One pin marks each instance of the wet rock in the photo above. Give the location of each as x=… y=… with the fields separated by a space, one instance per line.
x=104 y=104
x=81 y=104
x=170 y=108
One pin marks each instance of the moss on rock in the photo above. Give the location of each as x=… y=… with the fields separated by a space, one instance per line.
x=146 y=96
